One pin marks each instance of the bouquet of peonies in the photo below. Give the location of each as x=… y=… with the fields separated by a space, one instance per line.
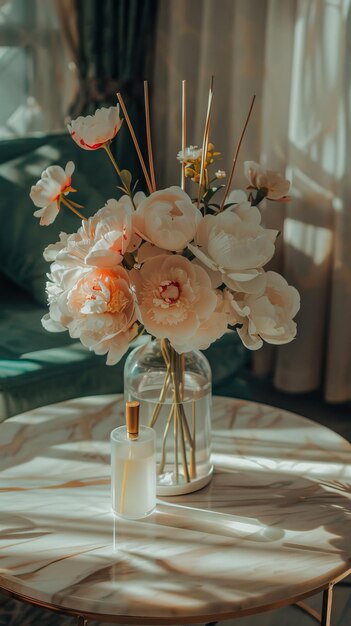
x=182 y=268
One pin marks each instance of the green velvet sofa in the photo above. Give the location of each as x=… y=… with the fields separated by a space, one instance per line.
x=38 y=367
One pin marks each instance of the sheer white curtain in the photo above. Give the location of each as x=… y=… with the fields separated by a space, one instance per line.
x=294 y=54
x=38 y=77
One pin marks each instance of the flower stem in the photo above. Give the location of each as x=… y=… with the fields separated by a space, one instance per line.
x=161 y=466
x=183 y=449
x=106 y=147
x=161 y=399
x=71 y=208
x=174 y=376
x=176 y=468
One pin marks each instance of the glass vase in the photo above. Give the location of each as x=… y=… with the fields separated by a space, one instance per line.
x=174 y=391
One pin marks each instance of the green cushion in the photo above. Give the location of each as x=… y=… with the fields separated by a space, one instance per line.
x=38 y=367
x=22 y=239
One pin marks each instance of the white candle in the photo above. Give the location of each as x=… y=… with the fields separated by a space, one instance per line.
x=133 y=472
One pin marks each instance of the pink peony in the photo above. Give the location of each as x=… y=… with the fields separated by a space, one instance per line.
x=97 y=309
x=176 y=300
x=209 y=330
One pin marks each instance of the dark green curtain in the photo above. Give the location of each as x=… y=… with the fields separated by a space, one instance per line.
x=115 y=53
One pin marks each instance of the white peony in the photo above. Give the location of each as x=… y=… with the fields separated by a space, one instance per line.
x=259 y=178
x=235 y=246
x=93 y=131
x=267 y=316
x=101 y=241
x=46 y=193
x=168 y=219
x=110 y=232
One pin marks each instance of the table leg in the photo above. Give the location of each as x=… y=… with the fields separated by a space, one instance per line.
x=82 y=621
x=309 y=610
x=327 y=606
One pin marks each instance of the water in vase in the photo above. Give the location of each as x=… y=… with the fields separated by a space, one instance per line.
x=177 y=426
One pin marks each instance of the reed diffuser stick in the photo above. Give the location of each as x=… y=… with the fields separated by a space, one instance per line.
x=183 y=131
x=135 y=141
x=205 y=140
x=193 y=437
x=162 y=463
x=148 y=135
x=229 y=182
x=126 y=465
x=176 y=422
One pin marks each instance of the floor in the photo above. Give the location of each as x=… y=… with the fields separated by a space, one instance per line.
x=312 y=405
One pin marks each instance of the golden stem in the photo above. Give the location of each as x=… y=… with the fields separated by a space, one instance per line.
x=176 y=468
x=161 y=399
x=165 y=385
x=229 y=181
x=182 y=443
x=179 y=412
x=165 y=433
x=175 y=373
x=165 y=352
x=186 y=427
x=183 y=131
x=205 y=140
x=148 y=135
x=135 y=141
x=71 y=208
x=193 y=434
x=182 y=366
x=174 y=360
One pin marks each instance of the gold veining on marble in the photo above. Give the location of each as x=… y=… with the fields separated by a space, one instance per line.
x=272 y=527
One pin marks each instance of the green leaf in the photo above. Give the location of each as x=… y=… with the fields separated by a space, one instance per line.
x=209 y=193
x=135 y=186
x=262 y=192
x=126 y=179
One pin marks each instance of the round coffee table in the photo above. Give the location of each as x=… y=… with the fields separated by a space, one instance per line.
x=272 y=528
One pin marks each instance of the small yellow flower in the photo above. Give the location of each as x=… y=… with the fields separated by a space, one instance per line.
x=191 y=157
x=189 y=172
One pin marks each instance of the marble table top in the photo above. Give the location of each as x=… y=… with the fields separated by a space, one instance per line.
x=273 y=526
